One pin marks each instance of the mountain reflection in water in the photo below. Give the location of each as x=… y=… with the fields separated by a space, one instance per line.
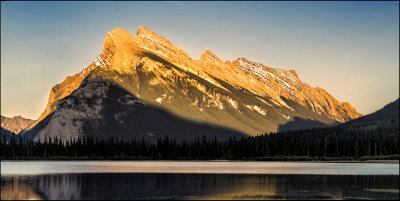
x=18 y=188
x=197 y=186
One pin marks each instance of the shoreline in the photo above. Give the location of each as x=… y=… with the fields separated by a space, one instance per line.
x=127 y=160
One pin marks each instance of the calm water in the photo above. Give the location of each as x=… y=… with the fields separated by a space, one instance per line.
x=181 y=180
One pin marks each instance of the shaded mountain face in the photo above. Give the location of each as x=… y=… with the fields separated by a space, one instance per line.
x=389 y=114
x=15 y=124
x=241 y=95
x=100 y=108
x=7 y=135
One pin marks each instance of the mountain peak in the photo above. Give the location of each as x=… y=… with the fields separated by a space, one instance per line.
x=210 y=58
x=208 y=53
x=152 y=39
x=144 y=31
x=149 y=34
x=241 y=59
x=205 y=53
x=117 y=35
x=293 y=72
x=119 y=30
x=15 y=124
x=244 y=60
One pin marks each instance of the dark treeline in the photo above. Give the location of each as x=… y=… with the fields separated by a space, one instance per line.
x=339 y=142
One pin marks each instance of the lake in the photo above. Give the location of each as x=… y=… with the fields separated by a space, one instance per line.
x=197 y=180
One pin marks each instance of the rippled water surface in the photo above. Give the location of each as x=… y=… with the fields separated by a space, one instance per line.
x=181 y=180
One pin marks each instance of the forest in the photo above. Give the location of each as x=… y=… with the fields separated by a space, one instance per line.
x=330 y=143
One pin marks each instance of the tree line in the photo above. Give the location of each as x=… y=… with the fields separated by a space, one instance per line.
x=317 y=143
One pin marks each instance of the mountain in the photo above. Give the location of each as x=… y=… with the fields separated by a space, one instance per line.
x=100 y=107
x=389 y=114
x=6 y=135
x=15 y=124
x=242 y=96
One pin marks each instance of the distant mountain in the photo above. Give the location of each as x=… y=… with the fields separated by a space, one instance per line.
x=389 y=114
x=241 y=96
x=15 y=124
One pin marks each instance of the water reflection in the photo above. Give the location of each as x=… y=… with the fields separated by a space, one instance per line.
x=198 y=186
x=60 y=187
x=18 y=188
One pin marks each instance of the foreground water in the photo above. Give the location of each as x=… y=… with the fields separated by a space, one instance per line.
x=198 y=180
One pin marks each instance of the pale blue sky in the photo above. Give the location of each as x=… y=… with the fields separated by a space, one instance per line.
x=349 y=49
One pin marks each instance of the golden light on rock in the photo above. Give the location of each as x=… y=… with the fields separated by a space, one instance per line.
x=148 y=66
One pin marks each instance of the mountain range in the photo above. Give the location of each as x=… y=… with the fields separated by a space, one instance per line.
x=145 y=87
x=15 y=124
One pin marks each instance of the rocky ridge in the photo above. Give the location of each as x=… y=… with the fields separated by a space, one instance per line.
x=15 y=124
x=152 y=69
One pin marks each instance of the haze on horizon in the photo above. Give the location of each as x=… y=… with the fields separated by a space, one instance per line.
x=350 y=49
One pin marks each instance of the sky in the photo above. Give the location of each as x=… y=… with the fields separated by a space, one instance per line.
x=350 y=49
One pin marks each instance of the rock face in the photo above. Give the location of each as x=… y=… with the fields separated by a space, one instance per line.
x=101 y=108
x=15 y=124
x=241 y=95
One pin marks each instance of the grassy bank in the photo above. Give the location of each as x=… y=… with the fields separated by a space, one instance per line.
x=390 y=157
